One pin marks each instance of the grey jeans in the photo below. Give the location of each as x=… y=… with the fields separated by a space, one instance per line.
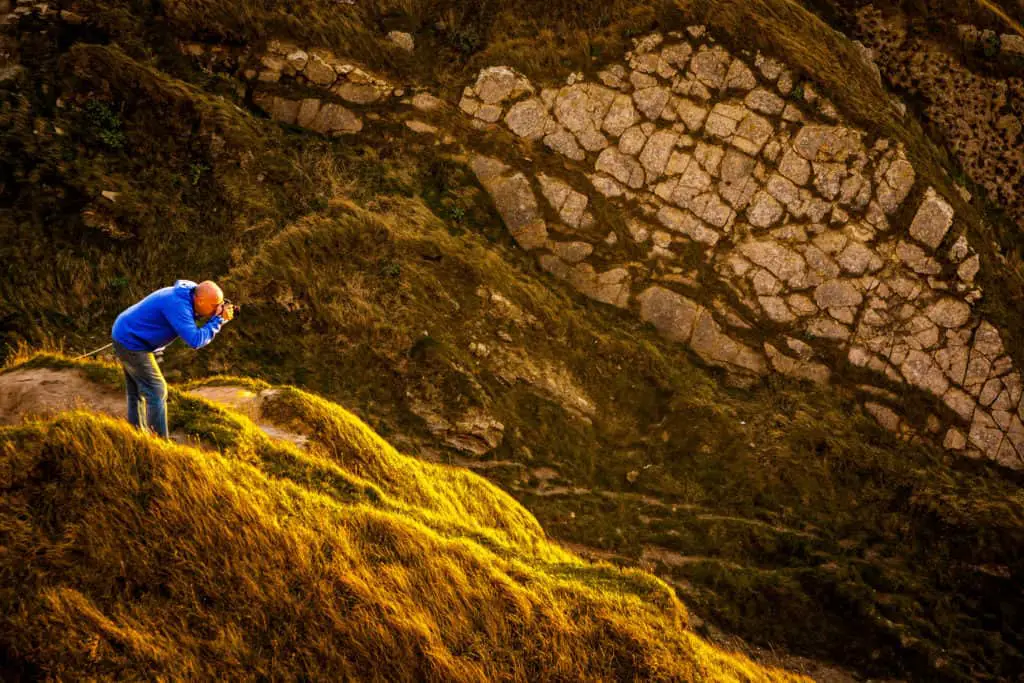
x=144 y=383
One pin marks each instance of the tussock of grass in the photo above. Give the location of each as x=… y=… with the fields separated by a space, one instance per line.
x=130 y=557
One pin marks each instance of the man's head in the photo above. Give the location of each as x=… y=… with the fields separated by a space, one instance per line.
x=207 y=299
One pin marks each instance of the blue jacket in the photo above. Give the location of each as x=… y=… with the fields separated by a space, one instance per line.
x=154 y=322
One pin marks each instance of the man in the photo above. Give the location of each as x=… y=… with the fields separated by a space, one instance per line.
x=153 y=323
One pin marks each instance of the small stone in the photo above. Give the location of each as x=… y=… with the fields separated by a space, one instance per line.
x=837 y=293
x=651 y=101
x=402 y=40
x=933 y=220
x=968 y=270
x=671 y=313
x=528 y=118
x=623 y=168
x=110 y=195
x=498 y=84
x=632 y=141
x=620 y=116
x=564 y=142
x=572 y=252
x=949 y=312
x=885 y=416
x=765 y=101
x=955 y=440
x=320 y=72
x=709 y=65
x=764 y=210
x=421 y=127
x=740 y=77
x=426 y=102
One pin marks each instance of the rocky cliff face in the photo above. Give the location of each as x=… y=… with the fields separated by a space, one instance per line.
x=741 y=216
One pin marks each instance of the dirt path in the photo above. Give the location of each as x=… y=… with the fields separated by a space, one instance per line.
x=39 y=393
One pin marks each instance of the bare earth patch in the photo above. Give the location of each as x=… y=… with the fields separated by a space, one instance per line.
x=35 y=393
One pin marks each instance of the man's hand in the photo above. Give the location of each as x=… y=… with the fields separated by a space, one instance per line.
x=227 y=312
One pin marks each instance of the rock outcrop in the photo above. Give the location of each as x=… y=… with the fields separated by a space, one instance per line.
x=792 y=211
x=732 y=177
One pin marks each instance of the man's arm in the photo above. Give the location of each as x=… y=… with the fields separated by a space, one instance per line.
x=181 y=319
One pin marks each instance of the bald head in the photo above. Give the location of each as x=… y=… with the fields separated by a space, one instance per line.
x=207 y=299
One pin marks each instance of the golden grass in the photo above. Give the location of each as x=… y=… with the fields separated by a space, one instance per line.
x=127 y=557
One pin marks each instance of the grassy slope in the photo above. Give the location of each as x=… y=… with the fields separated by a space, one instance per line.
x=127 y=557
x=903 y=561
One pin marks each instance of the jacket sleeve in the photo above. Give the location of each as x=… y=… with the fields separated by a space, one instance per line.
x=180 y=318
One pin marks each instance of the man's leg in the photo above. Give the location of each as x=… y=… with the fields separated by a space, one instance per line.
x=154 y=389
x=150 y=385
x=134 y=399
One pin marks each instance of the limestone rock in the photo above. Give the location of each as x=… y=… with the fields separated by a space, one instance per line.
x=357 y=93
x=572 y=252
x=724 y=119
x=765 y=101
x=514 y=199
x=837 y=294
x=691 y=114
x=710 y=343
x=499 y=84
x=319 y=71
x=278 y=108
x=528 y=119
x=582 y=108
x=827 y=144
x=781 y=262
x=710 y=66
x=570 y=204
x=921 y=371
x=563 y=142
x=334 y=118
x=625 y=169
x=402 y=40
x=795 y=167
x=949 y=312
x=621 y=115
x=798 y=369
x=740 y=77
x=884 y=415
x=764 y=210
x=426 y=102
x=687 y=224
x=933 y=220
x=655 y=154
x=652 y=101
x=671 y=313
